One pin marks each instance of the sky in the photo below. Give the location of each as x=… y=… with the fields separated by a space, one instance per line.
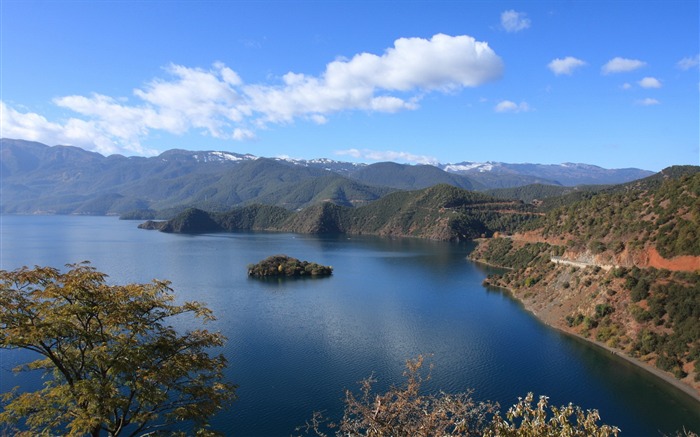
x=614 y=83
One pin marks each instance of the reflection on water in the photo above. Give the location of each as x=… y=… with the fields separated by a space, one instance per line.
x=295 y=345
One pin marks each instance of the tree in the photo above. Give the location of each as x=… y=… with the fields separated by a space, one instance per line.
x=113 y=364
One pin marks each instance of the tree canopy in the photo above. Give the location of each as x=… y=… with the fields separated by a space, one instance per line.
x=283 y=265
x=114 y=365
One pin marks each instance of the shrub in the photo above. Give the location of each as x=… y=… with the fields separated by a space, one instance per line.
x=603 y=309
x=403 y=411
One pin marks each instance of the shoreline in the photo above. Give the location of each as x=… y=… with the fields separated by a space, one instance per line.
x=669 y=379
x=488 y=264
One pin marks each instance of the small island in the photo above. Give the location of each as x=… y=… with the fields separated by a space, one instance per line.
x=283 y=265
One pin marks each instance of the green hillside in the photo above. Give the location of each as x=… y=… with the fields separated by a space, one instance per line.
x=442 y=212
x=663 y=211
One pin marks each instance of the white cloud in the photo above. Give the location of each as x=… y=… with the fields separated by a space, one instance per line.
x=73 y=132
x=442 y=63
x=689 y=62
x=513 y=21
x=622 y=65
x=650 y=82
x=243 y=134
x=318 y=119
x=648 y=102
x=565 y=66
x=196 y=99
x=388 y=155
x=217 y=101
x=508 y=106
x=626 y=86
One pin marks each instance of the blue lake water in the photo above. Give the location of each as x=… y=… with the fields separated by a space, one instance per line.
x=294 y=346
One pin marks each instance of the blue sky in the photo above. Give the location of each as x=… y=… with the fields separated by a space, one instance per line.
x=606 y=82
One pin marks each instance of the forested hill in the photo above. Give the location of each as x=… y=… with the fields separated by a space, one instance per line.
x=659 y=213
x=620 y=267
x=441 y=212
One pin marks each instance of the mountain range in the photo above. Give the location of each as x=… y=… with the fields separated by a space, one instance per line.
x=37 y=178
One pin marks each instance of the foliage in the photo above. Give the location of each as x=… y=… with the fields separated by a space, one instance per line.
x=525 y=419
x=661 y=211
x=539 y=192
x=192 y=220
x=283 y=265
x=502 y=252
x=111 y=362
x=405 y=412
x=675 y=303
x=253 y=217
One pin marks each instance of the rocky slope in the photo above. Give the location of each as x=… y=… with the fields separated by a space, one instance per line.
x=626 y=271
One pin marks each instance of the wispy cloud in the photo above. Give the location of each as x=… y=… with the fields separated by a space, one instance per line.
x=513 y=21
x=565 y=66
x=243 y=134
x=648 y=102
x=689 y=62
x=622 y=65
x=650 y=82
x=217 y=102
x=387 y=155
x=509 y=106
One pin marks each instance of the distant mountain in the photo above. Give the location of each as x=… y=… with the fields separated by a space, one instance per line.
x=567 y=174
x=37 y=178
x=67 y=180
x=411 y=177
x=548 y=197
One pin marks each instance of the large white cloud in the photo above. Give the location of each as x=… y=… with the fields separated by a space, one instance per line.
x=194 y=98
x=622 y=65
x=413 y=65
x=217 y=102
x=513 y=21
x=443 y=62
x=565 y=66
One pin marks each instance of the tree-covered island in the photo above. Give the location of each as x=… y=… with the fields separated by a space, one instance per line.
x=283 y=265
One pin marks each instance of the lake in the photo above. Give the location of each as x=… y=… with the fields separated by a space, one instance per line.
x=294 y=346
